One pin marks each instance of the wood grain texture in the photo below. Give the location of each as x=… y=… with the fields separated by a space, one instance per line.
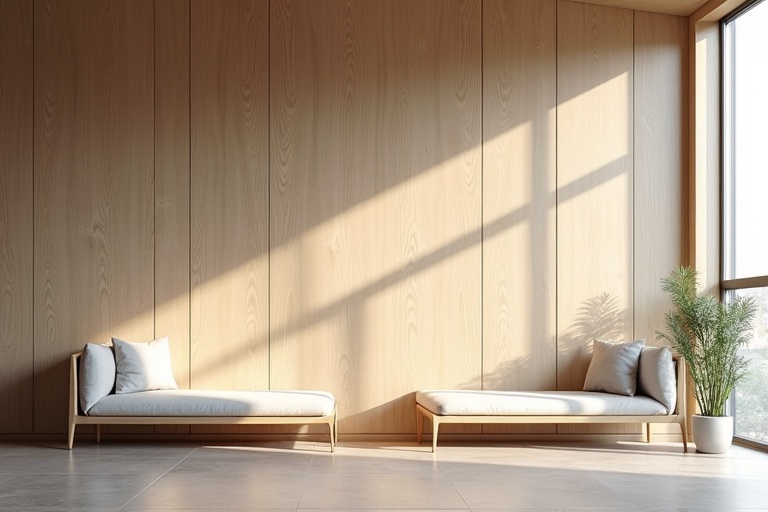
x=594 y=178
x=229 y=199
x=713 y=11
x=16 y=363
x=94 y=194
x=519 y=209
x=705 y=191
x=172 y=181
x=370 y=149
x=704 y=176
x=172 y=275
x=673 y=7
x=375 y=190
x=661 y=162
x=519 y=195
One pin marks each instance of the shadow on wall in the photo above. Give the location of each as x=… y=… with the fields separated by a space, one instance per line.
x=351 y=178
x=502 y=377
x=387 y=413
x=599 y=317
x=16 y=408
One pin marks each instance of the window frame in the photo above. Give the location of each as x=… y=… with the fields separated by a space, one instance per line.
x=728 y=283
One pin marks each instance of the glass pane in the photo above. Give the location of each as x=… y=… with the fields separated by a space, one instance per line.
x=748 y=157
x=752 y=392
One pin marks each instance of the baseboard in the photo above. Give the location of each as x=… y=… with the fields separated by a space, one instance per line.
x=407 y=438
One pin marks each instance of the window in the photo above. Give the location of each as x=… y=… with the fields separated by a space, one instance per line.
x=751 y=400
x=745 y=199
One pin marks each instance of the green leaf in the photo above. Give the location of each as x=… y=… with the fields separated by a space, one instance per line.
x=708 y=334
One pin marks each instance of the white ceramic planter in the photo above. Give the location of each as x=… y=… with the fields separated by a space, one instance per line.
x=712 y=434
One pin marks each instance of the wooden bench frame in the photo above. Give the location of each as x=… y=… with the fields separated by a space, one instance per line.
x=77 y=418
x=678 y=416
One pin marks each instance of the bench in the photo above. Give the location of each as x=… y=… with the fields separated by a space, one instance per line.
x=508 y=407
x=199 y=407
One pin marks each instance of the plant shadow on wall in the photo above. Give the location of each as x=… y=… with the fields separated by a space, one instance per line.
x=503 y=376
x=599 y=317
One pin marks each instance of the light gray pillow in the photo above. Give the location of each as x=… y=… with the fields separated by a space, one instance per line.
x=97 y=374
x=656 y=376
x=143 y=366
x=613 y=368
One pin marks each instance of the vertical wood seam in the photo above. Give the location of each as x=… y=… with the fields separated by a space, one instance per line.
x=34 y=221
x=189 y=192
x=482 y=200
x=154 y=169
x=634 y=176
x=154 y=177
x=557 y=198
x=269 y=194
x=482 y=196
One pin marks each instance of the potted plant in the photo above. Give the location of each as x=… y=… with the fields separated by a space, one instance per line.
x=708 y=334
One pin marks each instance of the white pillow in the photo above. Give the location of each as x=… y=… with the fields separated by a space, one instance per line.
x=613 y=368
x=97 y=374
x=143 y=366
x=656 y=376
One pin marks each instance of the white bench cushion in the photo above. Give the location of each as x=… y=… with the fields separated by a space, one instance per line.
x=185 y=402
x=537 y=403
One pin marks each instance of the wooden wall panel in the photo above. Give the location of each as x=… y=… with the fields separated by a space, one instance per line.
x=229 y=194
x=661 y=112
x=376 y=202
x=519 y=195
x=172 y=186
x=594 y=180
x=519 y=210
x=673 y=7
x=16 y=364
x=94 y=197
x=172 y=181
x=162 y=131
x=704 y=191
x=661 y=162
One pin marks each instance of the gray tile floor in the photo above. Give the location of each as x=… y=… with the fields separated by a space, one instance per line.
x=368 y=476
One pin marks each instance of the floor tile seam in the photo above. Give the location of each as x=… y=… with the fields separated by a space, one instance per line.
x=634 y=499
x=111 y=474
x=456 y=489
x=306 y=475
x=153 y=482
x=383 y=472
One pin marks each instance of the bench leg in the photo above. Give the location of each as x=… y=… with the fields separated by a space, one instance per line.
x=71 y=434
x=98 y=433
x=648 y=433
x=332 y=431
x=435 y=427
x=684 y=432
